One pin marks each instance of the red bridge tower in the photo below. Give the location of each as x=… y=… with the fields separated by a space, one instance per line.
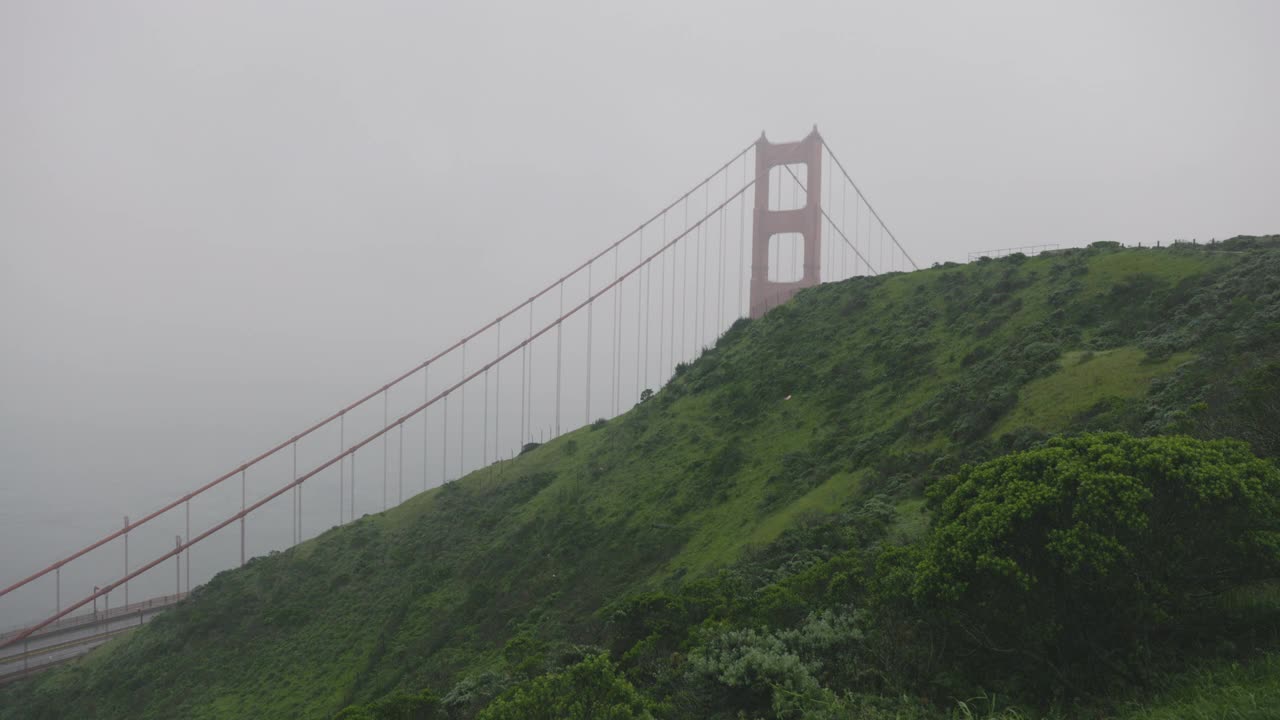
x=805 y=221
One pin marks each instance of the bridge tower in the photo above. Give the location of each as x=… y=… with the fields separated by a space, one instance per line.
x=805 y=220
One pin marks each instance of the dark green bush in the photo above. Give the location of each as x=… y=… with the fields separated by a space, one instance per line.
x=589 y=690
x=1071 y=564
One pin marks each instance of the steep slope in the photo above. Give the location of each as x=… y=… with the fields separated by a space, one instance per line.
x=869 y=387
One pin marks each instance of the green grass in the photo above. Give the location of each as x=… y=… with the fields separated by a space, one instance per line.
x=912 y=521
x=1215 y=691
x=1229 y=691
x=889 y=379
x=1086 y=377
x=1171 y=267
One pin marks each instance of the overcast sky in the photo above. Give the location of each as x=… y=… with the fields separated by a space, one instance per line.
x=220 y=221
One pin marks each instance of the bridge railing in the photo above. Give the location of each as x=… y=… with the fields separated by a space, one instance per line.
x=95 y=616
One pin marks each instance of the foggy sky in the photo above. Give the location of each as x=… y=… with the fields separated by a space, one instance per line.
x=220 y=221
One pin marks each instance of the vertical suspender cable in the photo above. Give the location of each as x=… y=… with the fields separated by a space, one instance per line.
x=462 y=418
x=352 y=487
x=672 y=361
x=530 y=390
x=704 y=244
x=126 y=560
x=742 y=243
x=590 y=306
x=857 y=236
x=619 y=298
x=684 y=285
x=662 y=306
x=399 y=471
x=497 y=403
x=524 y=380
x=187 y=545
x=530 y=385
x=484 y=443
x=385 y=461
x=720 y=281
x=697 y=286
x=831 y=256
x=871 y=244
x=444 y=449
x=342 y=467
x=844 y=216
x=299 y=486
x=426 y=395
x=242 y=494
x=613 y=342
x=704 y=240
x=559 y=353
x=639 y=321
x=648 y=300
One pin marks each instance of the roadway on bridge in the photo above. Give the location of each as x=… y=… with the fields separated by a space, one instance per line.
x=75 y=637
x=20 y=664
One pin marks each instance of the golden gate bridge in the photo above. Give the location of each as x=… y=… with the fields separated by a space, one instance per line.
x=772 y=220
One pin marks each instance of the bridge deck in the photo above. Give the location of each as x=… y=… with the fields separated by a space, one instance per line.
x=73 y=637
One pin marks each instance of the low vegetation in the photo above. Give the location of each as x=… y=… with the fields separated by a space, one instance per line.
x=1021 y=488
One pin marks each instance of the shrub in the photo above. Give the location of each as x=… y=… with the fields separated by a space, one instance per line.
x=781 y=672
x=589 y=690
x=1076 y=560
x=472 y=693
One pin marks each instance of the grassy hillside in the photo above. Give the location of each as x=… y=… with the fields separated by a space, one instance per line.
x=797 y=438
